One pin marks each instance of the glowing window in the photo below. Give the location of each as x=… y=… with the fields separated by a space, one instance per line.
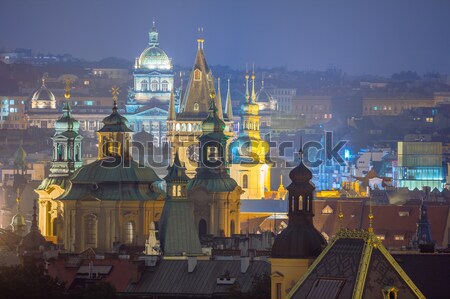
x=144 y=85
x=197 y=75
x=154 y=86
x=399 y=237
x=129 y=233
x=381 y=237
x=327 y=210
x=196 y=107
x=165 y=86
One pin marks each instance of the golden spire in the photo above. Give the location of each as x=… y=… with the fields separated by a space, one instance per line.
x=115 y=93
x=253 y=84
x=370 y=229
x=247 y=95
x=67 y=94
x=219 y=100
x=18 y=200
x=341 y=215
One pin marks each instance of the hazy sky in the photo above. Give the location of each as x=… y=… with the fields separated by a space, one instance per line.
x=359 y=36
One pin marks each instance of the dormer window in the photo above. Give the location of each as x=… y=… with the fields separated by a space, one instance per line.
x=197 y=75
x=327 y=210
x=196 y=107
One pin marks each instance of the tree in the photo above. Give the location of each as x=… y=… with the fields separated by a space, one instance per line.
x=29 y=282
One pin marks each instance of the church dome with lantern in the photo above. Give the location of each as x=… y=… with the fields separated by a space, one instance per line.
x=43 y=97
x=153 y=57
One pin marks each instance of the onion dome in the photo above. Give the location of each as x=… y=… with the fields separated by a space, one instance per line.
x=247 y=149
x=115 y=122
x=300 y=239
x=213 y=124
x=18 y=221
x=153 y=57
x=300 y=174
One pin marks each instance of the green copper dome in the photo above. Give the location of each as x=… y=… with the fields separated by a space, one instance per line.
x=67 y=122
x=213 y=124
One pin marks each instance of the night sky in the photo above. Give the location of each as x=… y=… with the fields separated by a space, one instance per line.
x=359 y=36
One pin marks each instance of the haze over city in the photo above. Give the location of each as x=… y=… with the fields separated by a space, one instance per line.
x=359 y=37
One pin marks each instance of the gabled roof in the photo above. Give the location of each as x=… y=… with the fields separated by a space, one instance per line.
x=354 y=265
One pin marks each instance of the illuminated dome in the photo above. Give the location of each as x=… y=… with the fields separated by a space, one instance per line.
x=154 y=58
x=43 y=97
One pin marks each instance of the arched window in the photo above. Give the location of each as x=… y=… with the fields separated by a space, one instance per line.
x=165 y=85
x=189 y=127
x=245 y=181
x=90 y=230
x=129 y=233
x=177 y=127
x=202 y=228
x=183 y=127
x=154 y=85
x=196 y=107
x=144 y=85
x=197 y=75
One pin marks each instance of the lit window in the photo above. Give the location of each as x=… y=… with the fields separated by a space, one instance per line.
x=89 y=103
x=129 y=233
x=429 y=119
x=144 y=85
x=399 y=237
x=381 y=237
x=11 y=102
x=197 y=75
x=86 y=82
x=154 y=85
x=327 y=210
x=195 y=106
x=165 y=86
x=403 y=214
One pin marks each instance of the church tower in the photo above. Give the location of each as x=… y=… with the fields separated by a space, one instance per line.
x=185 y=128
x=248 y=152
x=66 y=159
x=215 y=194
x=18 y=224
x=178 y=234
x=296 y=247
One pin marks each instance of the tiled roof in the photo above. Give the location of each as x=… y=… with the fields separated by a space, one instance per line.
x=171 y=277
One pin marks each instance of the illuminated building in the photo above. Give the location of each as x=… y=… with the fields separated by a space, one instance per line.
x=112 y=200
x=216 y=196
x=248 y=152
x=185 y=127
x=394 y=105
x=147 y=101
x=66 y=159
x=419 y=164
x=12 y=113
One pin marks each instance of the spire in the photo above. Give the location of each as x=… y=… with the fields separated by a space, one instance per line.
x=153 y=36
x=247 y=95
x=43 y=79
x=340 y=215
x=67 y=110
x=228 y=106
x=34 y=224
x=200 y=39
x=172 y=115
x=219 y=100
x=18 y=221
x=370 y=216
x=115 y=93
x=253 y=84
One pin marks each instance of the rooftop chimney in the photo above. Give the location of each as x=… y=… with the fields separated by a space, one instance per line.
x=192 y=263
x=245 y=263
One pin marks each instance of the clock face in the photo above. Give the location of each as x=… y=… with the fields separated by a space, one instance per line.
x=193 y=152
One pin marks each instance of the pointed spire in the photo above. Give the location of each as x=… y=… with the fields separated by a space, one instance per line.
x=300 y=151
x=172 y=115
x=247 y=95
x=253 y=84
x=200 y=39
x=18 y=201
x=34 y=225
x=115 y=93
x=43 y=79
x=66 y=107
x=228 y=106
x=370 y=216
x=340 y=215
x=219 y=100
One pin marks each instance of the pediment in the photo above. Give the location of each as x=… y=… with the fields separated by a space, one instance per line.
x=152 y=112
